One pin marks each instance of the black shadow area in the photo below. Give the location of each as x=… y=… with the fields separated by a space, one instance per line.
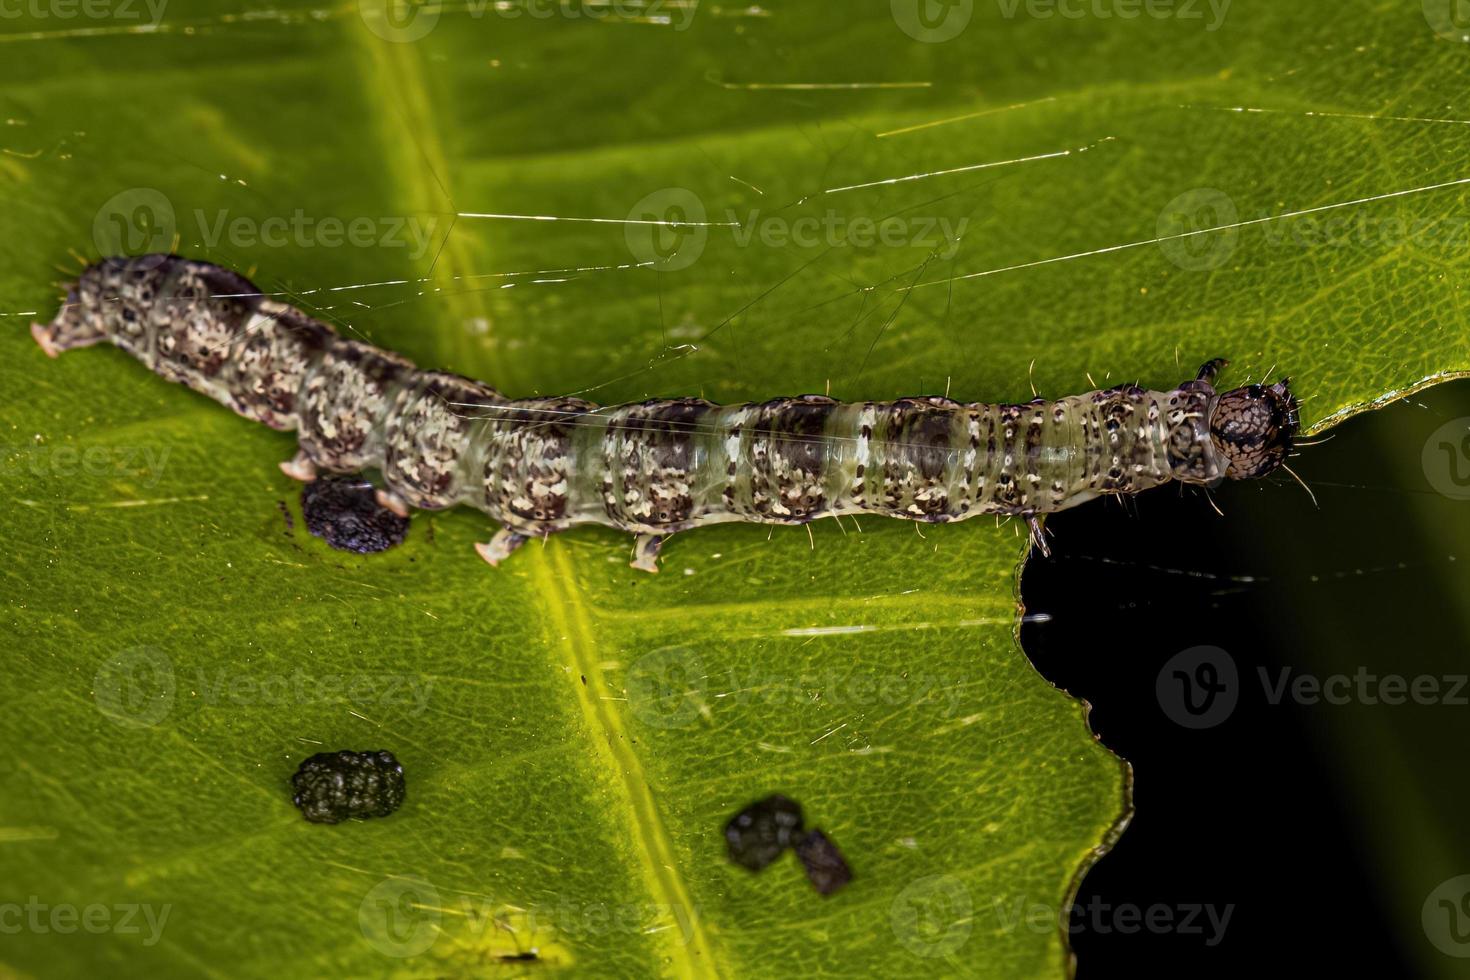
x=1296 y=806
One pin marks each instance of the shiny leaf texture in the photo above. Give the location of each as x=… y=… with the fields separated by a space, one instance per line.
x=988 y=198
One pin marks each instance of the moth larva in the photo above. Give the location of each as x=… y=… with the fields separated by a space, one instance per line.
x=542 y=465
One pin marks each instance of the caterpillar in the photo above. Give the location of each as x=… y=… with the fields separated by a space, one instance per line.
x=541 y=465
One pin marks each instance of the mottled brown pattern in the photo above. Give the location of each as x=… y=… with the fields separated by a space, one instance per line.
x=649 y=459
x=199 y=313
x=278 y=346
x=920 y=457
x=542 y=465
x=342 y=407
x=125 y=294
x=530 y=460
x=788 y=451
x=427 y=437
x=1187 y=417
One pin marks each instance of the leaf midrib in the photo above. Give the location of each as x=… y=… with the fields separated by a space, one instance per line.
x=550 y=569
x=398 y=82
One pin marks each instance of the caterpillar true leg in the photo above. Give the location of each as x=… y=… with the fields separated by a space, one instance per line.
x=538 y=466
x=302 y=467
x=501 y=546
x=645 y=552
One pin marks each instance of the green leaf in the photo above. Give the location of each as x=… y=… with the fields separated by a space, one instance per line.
x=575 y=733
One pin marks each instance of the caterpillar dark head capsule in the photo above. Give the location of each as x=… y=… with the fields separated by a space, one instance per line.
x=1252 y=429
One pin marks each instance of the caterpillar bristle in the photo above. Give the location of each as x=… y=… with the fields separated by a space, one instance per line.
x=1298 y=479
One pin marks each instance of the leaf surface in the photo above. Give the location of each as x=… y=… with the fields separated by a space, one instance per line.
x=844 y=207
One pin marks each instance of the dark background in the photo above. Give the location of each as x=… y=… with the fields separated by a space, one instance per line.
x=1326 y=826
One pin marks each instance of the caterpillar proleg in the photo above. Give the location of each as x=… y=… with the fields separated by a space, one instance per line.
x=539 y=466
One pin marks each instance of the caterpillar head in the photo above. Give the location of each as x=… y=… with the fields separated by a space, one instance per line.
x=1252 y=428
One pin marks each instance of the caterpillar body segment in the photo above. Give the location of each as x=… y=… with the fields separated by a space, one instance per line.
x=542 y=465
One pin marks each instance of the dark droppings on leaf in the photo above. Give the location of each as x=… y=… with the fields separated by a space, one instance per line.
x=758 y=834
x=343 y=511
x=825 y=866
x=334 y=786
